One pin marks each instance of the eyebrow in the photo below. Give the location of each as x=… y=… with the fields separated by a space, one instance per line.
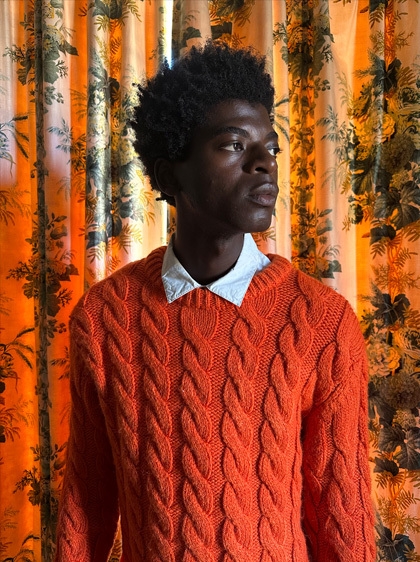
x=239 y=131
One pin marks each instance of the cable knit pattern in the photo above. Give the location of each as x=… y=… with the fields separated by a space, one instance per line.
x=294 y=341
x=216 y=432
x=117 y=318
x=197 y=357
x=81 y=536
x=158 y=451
x=338 y=476
x=237 y=432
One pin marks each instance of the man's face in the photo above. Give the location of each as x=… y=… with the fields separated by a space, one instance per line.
x=228 y=183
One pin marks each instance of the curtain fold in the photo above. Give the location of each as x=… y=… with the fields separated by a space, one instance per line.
x=75 y=206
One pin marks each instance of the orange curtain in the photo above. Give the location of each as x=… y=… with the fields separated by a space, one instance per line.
x=74 y=206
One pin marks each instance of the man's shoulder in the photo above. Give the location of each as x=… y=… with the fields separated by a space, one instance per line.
x=126 y=279
x=306 y=292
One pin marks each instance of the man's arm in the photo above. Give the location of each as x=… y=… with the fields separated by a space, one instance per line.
x=88 y=513
x=338 y=516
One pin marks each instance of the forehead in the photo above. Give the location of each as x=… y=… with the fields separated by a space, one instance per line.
x=230 y=114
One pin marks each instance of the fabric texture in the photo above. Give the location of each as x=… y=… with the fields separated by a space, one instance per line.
x=232 y=286
x=217 y=432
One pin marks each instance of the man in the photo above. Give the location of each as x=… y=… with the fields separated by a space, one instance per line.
x=219 y=395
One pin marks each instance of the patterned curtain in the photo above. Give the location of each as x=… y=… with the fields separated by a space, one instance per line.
x=74 y=207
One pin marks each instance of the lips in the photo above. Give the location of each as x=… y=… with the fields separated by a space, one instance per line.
x=264 y=194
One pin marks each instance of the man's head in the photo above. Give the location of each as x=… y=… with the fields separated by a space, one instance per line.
x=178 y=99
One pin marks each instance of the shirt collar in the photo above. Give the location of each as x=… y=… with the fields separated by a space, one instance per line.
x=232 y=287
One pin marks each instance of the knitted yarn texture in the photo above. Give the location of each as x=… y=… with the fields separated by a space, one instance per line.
x=216 y=432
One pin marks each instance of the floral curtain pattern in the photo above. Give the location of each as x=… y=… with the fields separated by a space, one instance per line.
x=74 y=206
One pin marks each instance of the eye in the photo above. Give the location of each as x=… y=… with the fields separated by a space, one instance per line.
x=233 y=146
x=274 y=150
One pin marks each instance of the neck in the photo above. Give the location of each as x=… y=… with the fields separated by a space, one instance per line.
x=207 y=259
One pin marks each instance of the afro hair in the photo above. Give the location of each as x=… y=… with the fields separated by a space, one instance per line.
x=176 y=100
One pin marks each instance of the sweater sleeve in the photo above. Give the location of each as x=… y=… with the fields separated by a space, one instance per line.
x=88 y=513
x=337 y=506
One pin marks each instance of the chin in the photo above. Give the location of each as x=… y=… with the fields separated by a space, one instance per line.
x=261 y=225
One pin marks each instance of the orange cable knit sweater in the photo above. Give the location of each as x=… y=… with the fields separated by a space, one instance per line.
x=218 y=433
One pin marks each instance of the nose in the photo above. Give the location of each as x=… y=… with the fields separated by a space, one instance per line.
x=260 y=160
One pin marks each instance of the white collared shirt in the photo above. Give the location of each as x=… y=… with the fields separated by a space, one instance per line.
x=232 y=287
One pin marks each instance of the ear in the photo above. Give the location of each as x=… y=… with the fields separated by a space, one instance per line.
x=165 y=177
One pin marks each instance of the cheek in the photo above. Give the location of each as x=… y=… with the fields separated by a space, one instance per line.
x=209 y=189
